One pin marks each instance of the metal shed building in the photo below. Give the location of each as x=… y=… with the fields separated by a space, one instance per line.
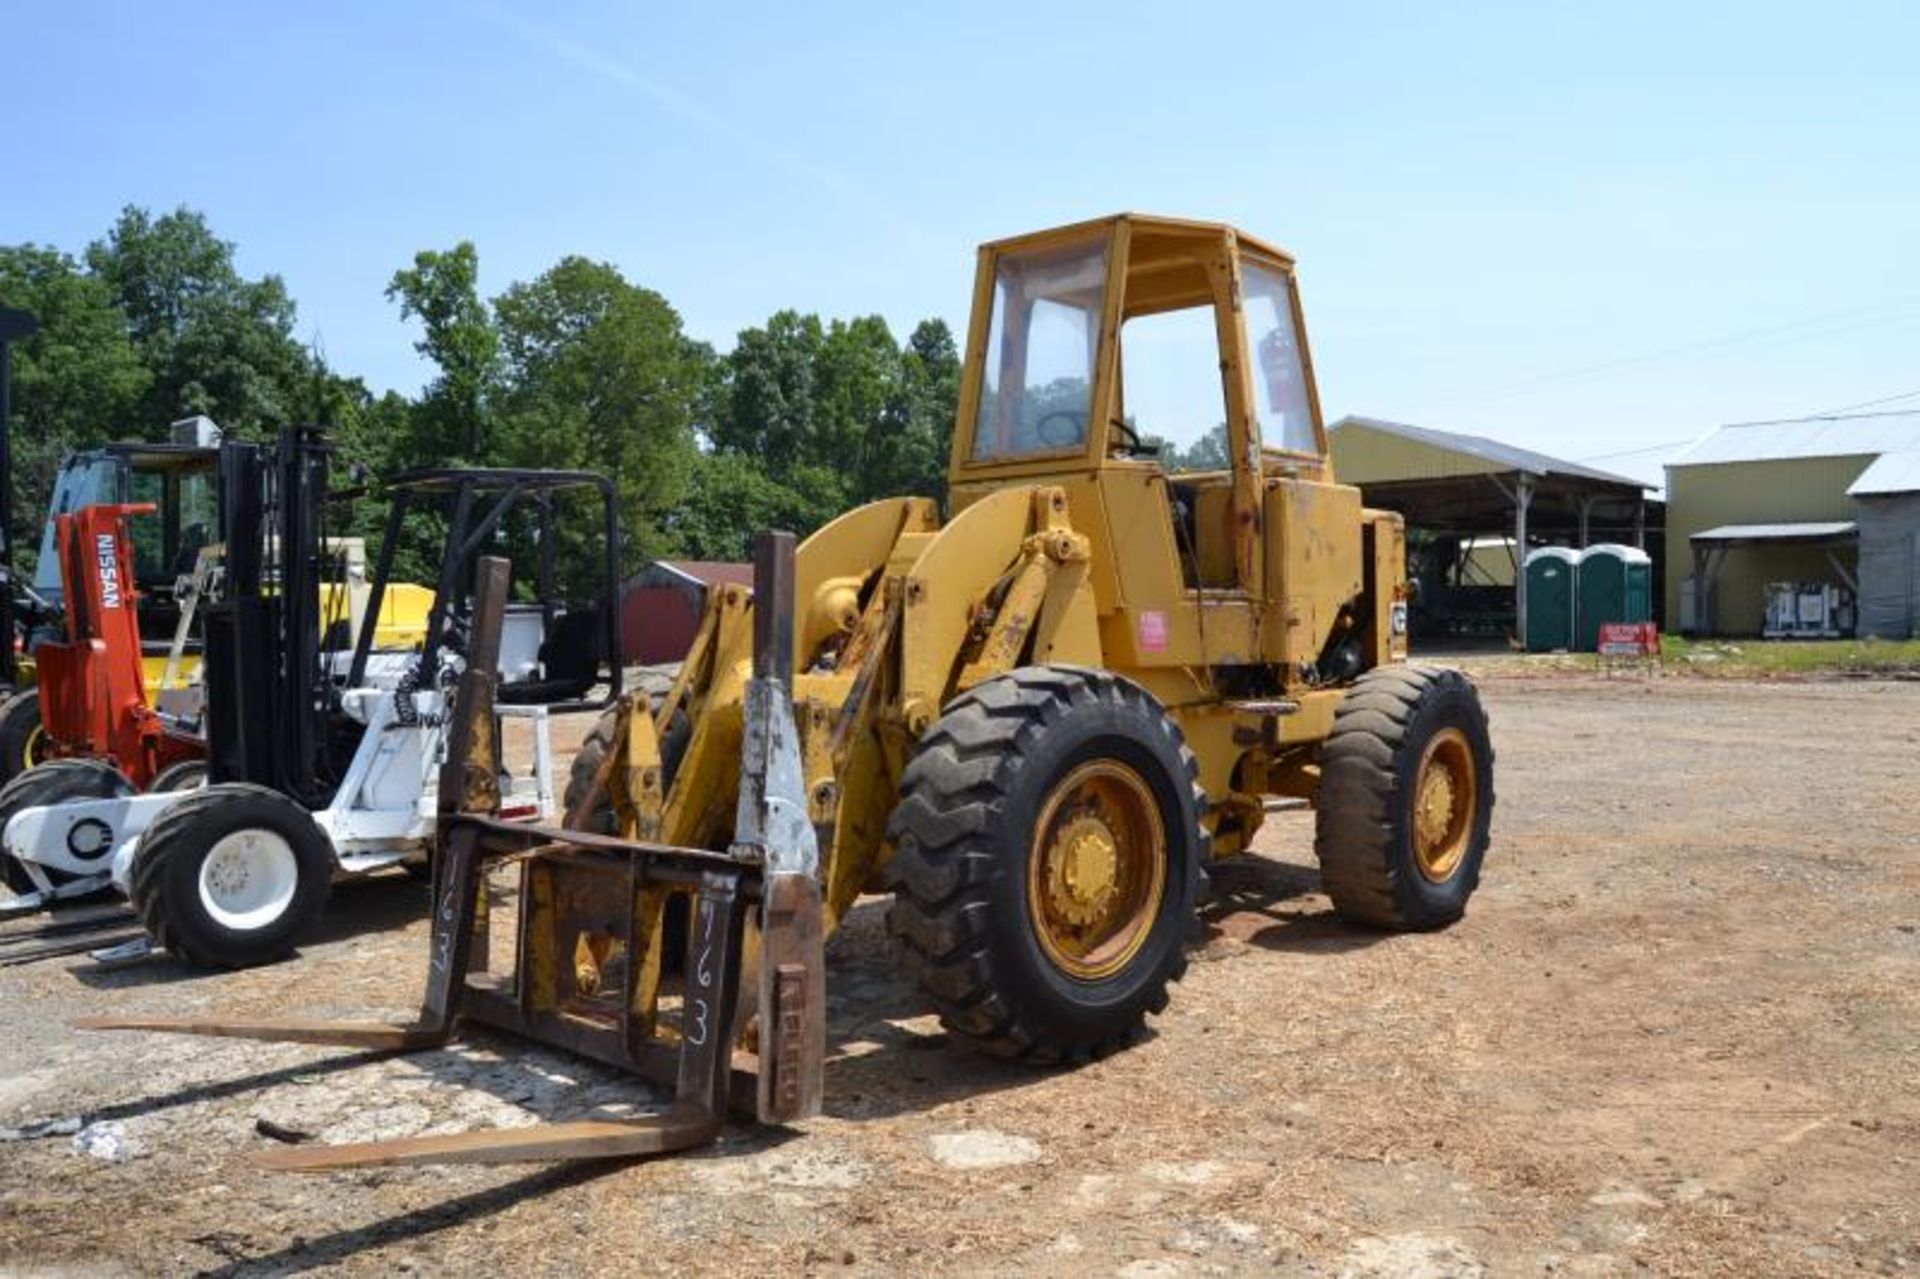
x=1762 y=502
x=1466 y=491
x=661 y=605
x=1887 y=498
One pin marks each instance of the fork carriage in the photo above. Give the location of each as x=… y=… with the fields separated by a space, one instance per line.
x=590 y=971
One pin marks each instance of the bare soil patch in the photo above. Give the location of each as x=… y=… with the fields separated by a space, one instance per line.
x=1679 y=1031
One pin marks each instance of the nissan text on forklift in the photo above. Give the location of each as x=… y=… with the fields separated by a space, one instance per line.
x=322 y=753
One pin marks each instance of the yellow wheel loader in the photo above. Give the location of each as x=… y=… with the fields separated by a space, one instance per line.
x=1035 y=723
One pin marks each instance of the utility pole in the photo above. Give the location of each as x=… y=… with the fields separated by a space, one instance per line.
x=14 y=325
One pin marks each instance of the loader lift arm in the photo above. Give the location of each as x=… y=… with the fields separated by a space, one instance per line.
x=572 y=878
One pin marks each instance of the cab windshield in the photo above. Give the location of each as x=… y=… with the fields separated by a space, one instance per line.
x=79 y=483
x=165 y=545
x=1036 y=392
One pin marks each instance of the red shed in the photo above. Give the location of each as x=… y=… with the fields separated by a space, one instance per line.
x=660 y=606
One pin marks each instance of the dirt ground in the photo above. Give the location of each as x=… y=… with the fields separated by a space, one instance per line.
x=1678 y=1032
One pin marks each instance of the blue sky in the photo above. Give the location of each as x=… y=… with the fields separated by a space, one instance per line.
x=1587 y=229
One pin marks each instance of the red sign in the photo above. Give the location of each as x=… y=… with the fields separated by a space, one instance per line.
x=1629 y=639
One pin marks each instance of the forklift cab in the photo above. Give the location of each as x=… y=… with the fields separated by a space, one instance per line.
x=560 y=638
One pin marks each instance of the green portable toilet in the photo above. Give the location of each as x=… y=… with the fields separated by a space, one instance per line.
x=1551 y=592
x=1616 y=585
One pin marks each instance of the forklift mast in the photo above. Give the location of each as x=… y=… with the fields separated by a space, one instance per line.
x=267 y=696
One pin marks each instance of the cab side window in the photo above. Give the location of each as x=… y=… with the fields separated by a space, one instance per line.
x=1279 y=373
x=1170 y=387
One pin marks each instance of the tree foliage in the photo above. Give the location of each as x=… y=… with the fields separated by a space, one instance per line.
x=213 y=341
x=77 y=383
x=450 y=423
x=809 y=418
x=578 y=368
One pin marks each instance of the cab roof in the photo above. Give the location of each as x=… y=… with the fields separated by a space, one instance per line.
x=1138 y=223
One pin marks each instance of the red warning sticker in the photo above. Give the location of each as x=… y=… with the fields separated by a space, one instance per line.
x=1154 y=631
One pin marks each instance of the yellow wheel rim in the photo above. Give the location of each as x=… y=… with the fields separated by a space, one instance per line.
x=35 y=749
x=1446 y=798
x=1097 y=870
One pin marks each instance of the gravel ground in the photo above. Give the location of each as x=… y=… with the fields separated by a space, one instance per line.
x=1676 y=1033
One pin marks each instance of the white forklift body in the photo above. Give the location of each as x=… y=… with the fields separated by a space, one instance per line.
x=383 y=813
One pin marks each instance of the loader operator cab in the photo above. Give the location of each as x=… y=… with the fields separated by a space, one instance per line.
x=1170 y=353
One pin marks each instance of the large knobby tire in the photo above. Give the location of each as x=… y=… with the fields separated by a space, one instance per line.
x=1047 y=851
x=1406 y=798
x=598 y=744
x=230 y=876
x=55 y=782
x=23 y=738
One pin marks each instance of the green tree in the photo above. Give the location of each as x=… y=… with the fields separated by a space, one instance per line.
x=451 y=423
x=732 y=497
x=764 y=403
x=597 y=374
x=213 y=341
x=808 y=418
x=1211 y=452
x=77 y=383
x=913 y=459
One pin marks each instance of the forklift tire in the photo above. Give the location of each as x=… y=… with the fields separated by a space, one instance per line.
x=23 y=738
x=230 y=876
x=1405 y=809
x=1048 y=851
x=188 y=774
x=54 y=782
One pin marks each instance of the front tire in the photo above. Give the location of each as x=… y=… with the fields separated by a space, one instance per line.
x=1405 y=810
x=57 y=781
x=1048 y=844
x=23 y=737
x=231 y=876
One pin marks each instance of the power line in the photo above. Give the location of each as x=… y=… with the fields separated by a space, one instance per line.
x=1651 y=448
x=1848 y=408
x=1826 y=324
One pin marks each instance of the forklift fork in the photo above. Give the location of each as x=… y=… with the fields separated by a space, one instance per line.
x=576 y=884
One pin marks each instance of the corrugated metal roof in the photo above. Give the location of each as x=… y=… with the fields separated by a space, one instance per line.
x=1806 y=532
x=1862 y=433
x=697 y=572
x=1507 y=456
x=1896 y=472
x=714 y=572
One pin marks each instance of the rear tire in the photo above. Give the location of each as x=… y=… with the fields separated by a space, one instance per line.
x=1405 y=809
x=1048 y=846
x=231 y=876
x=188 y=774
x=599 y=744
x=23 y=738
x=55 y=782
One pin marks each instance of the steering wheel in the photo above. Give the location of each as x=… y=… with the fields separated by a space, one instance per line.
x=1130 y=440
x=1075 y=433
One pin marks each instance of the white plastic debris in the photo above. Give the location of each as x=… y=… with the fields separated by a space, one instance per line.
x=107 y=1140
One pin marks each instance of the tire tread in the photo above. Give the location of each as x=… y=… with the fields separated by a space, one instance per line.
x=955 y=789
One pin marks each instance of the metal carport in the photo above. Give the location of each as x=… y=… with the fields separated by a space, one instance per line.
x=1468 y=485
